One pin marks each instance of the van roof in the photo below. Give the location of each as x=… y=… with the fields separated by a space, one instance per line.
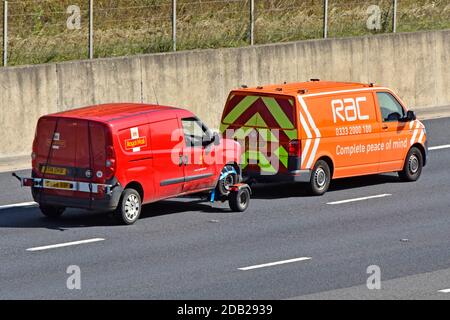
x=313 y=86
x=111 y=111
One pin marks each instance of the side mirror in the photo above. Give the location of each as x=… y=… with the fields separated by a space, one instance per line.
x=215 y=139
x=411 y=115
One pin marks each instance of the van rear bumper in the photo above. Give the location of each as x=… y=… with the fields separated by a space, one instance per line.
x=291 y=176
x=107 y=203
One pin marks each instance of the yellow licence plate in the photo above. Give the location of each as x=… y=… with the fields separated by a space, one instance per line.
x=54 y=170
x=57 y=184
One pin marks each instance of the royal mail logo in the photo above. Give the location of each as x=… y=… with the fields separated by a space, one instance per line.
x=135 y=143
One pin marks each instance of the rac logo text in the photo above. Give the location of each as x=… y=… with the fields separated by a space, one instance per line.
x=348 y=109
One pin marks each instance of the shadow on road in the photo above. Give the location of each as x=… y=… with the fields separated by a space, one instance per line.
x=289 y=190
x=31 y=217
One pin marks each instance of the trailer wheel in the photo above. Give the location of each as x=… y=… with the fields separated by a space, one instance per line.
x=129 y=208
x=239 y=200
x=320 y=178
x=413 y=166
x=51 y=211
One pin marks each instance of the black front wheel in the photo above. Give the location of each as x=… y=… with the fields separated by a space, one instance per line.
x=412 y=169
x=52 y=211
x=239 y=200
x=320 y=178
x=231 y=178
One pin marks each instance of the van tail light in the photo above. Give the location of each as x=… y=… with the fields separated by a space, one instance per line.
x=34 y=154
x=295 y=148
x=28 y=182
x=110 y=163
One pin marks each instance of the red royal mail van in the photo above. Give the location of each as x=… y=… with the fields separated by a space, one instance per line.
x=120 y=156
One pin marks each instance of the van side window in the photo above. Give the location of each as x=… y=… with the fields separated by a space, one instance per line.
x=391 y=109
x=195 y=132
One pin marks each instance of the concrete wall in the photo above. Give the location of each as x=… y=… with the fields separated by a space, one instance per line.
x=416 y=65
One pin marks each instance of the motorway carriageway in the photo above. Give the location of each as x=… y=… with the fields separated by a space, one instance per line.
x=286 y=246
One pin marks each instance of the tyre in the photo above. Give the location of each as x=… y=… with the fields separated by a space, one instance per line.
x=51 y=211
x=320 y=178
x=239 y=200
x=129 y=208
x=223 y=186
x=412 y=169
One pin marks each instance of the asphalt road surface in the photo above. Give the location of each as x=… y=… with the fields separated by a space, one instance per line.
x=286 y=246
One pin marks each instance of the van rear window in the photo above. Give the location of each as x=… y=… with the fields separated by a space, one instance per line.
x=260 y=111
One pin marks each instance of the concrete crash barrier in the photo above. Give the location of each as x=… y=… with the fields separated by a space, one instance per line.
x=416 y=65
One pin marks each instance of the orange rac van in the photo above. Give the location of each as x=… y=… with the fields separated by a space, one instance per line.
x=317 y=131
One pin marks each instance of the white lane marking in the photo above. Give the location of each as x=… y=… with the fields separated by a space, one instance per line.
x=66 y=244
x=445 y=291
x=276 y=263
x=445 y=146
x=15 y=205
x=361 y=199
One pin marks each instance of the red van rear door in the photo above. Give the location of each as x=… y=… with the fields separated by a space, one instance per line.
x=70 y=150
x=56 y=143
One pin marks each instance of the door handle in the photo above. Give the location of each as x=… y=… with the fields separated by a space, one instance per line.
x=384 y=126
x=185 y=160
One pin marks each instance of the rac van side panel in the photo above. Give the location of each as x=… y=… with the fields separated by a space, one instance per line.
x=342 y=127
x=398 y=136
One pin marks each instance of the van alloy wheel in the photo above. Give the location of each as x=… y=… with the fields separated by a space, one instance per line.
x=129 y=208
x=132 y=206
x=223 y=185
x=228 y=182
x=413 y=163
x=321 y=178
x=412 y=168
